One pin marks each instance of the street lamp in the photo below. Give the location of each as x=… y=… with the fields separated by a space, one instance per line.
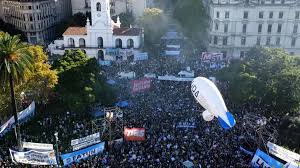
x=56 y=145
x=109 y=117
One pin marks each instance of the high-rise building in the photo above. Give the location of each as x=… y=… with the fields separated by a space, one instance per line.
x=238 y=25
x=36 y=18
x=1 y=10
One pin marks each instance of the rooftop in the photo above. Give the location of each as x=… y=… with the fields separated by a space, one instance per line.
x=126 y=31
x=75 y=31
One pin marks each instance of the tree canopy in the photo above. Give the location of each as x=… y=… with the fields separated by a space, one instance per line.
x=193 y=17
x=36 y=85
x=266 y=76
x=154 y=22
x=81 y=84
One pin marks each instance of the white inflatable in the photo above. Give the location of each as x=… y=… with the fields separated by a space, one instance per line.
x=209 y=97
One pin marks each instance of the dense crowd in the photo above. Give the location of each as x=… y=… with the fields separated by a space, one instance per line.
x=158 y=110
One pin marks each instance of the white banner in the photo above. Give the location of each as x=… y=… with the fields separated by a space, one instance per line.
x=34 y=157
x=283 y=153
x=23 y=116
x=85 y=141
x=38 y=146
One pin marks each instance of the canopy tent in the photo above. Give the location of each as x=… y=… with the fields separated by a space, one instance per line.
x=98 y=113
x=111 y=82
x=122 y=104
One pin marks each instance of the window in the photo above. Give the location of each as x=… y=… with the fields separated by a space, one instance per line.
x=259 y=28
x=261 y=14
x=242 y=54
x=98 y=6
x=225 y=40
x=225 y=28
x=280 y=15
x=292 y=53
x=295 y=29
x=293 y=42
x=245 y=15
x=271 y=15
x=297 y=14
x=279 y=28
x=243 y=41
x=130 y=43
x=218 y=14
x=282 y=1
x=268 y=41
x=258 y=41
x=273 y=1
x=227 y=15
x=244 y=28
x=278 y=41
x=269 y=28
x=216 y=26
x=81 y=42
x=215 y=40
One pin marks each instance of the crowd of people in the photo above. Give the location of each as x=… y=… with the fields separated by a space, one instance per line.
x=159 y=111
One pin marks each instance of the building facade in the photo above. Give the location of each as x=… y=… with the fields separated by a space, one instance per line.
x=36 y=18
x=238 y=25
x=137 y=7
x=103 y=39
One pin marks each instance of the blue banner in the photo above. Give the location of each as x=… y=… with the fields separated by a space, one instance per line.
x=23 y=117
x=261 y=159
x=112 y=51
x=82 y=154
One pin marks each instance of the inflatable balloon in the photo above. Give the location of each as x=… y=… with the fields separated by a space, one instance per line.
x=207 y=94
x=207 y=116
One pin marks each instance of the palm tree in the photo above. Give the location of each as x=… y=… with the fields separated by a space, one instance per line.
x=15 y=63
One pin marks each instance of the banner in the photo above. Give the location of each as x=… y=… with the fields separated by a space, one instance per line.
x=23 y=116
x=38 y=146
x=85 y=141
x=126 y=52
x=261 y=159
x=213 y=60
x=283 y=153
x=173 y=78
x=186 y=125
x=82 y=154
x=112 y=51
x=34 y=157
x=134 y=134
x=141 y=56
x=105 y=63
x=141 y=85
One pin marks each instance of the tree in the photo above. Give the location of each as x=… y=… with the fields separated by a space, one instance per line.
x=126 y=19
x=154 y=22
x=78 y=19
x=39 y=84
x=11 y=29
x=193 y=17
x=266 y=76
x=81 y=85
x=16 y=62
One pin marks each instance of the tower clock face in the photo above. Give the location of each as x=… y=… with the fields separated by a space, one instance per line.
x=99 y=15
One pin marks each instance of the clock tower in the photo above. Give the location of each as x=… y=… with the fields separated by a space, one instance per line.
x=100 y=12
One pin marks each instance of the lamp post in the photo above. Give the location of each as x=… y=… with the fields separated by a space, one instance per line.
x=109 y=117
x=56 y=145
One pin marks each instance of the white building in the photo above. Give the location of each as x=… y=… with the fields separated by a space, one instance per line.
x=137 y=7
x=238 y=25
x=36 y=18
x=81 y=6
x=104 y=39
